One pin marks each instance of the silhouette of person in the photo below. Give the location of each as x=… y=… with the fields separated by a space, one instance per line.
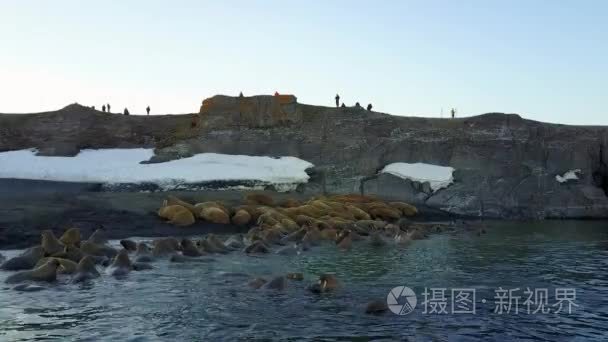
x=148 y=110
x=108 y=107
x=93 y=107
x=276 y=93
x=343 y=105
x=453 y=111
x=103 y=108
x=241 y=94
x=369 y=107
x=126 y=112
x=337 y=100
x=357 y=105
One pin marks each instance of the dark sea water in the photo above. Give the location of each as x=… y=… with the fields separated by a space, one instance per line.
x=207 y=302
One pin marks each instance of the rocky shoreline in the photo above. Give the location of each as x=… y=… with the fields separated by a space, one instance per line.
x=506 y=167
x=29 y=207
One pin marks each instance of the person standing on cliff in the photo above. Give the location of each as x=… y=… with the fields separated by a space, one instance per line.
x=369 y=107
x=453 y=111
x=148 y=110
x=103 y=108
x=108 y=107
x=126 y=112
x=337 y=100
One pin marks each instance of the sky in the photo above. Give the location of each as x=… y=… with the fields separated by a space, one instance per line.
x=545 y=60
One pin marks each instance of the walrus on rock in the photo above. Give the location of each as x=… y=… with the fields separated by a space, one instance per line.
x=27 y=260
x=165 y=247
x=121 y=264
x=95 y=249
x=50 y=243
x=85 y=270
x=143 y=253
x=189 y=249
x=65 y=266
x=98 y=237
x=46 y=272
x=129 y=245
x=71 y=237
x=70 y=252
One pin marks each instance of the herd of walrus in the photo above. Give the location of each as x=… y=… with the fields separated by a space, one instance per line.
x=291 y=227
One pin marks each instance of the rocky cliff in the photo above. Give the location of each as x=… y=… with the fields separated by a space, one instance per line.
x=506 y=166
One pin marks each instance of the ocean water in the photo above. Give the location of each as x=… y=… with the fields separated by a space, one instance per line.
x=211 y=301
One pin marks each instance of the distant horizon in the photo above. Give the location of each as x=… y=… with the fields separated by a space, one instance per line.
x=143 y=113
x=541 y=60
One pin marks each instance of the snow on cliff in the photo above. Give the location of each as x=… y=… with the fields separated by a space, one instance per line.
x=114 y=166
x=570 y=175
x=437 y=176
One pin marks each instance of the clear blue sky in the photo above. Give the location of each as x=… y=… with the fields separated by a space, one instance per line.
x=547 y=60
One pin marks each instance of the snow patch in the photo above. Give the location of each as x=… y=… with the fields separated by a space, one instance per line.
x=438 y=176
x=570 y=175
x=122 y=166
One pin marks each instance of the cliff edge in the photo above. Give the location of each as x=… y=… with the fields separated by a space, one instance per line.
x=505 y=166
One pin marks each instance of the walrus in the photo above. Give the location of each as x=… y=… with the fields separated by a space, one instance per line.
x=121 y=265
x=391 y=230
x=235 y=242
x=217 y=242
x=25 y=261
x=344 y=241
x=143 y=253
x=312 y=236
x=46 y=272
x=326 y=283
x=272 y=236
x=277 y=283
x=189 y=249
x=71 y=237
x=295 y=276
x=376 y=307
x=241 y=217
x=65 y=266
x=85 y=270
x=402 y=239
x=98 y=237
x=257 y=247
x=376 y=240
x=50 y=243
x=257 y=283
x=370 y=225
x=91 y=248
x=209 y=245
x=355 y=236
x=329 y=234
x=165 y=246
x=295 y=236
x=416 y=234
x=129 y=245
x=70 y=252
x=142 y=266
x=289 y=250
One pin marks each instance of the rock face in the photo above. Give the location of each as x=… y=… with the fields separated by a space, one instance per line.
x=505 y=165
